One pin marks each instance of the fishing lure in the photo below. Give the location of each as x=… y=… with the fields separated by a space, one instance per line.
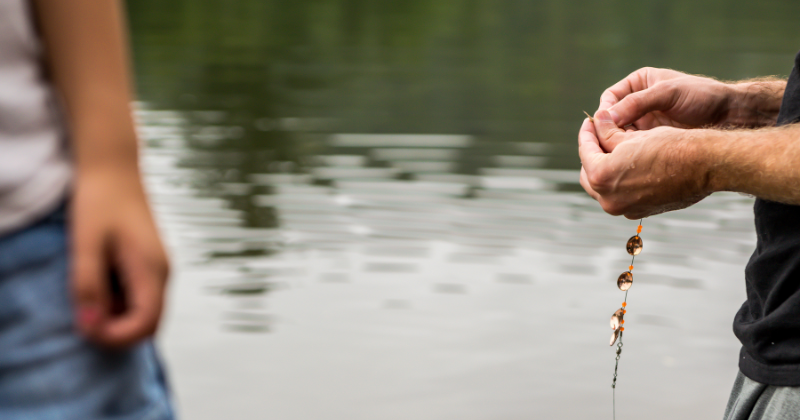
x=624 y=282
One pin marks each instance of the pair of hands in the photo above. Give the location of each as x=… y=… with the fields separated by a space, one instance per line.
x=639 y=154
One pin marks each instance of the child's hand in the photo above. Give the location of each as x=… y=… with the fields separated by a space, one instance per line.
x=112 y=230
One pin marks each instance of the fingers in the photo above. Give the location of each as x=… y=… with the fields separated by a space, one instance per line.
x=647 y=122
x=588 y=145
x=88 y=282
x=661 y=97
x=590 y=153
x=118 y=289
x=606 y=130
x=142 y=279
x=640 y=80
x=144 y=300
x=634 y=82
x=584 y=180
x=593 y=157
x=607 y=100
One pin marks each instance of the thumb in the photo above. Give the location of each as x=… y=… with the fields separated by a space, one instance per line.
x=89 y=285
x=606 y=129
x=636 y=105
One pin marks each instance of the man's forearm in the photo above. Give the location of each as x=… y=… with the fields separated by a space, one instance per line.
x=755 y=102
x=764 y=162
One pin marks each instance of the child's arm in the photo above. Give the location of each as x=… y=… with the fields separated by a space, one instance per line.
x=111 y=226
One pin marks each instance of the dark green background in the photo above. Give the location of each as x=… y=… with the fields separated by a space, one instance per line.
x=502 y=71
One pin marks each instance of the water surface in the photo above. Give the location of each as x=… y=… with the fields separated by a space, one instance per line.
x=373 y=208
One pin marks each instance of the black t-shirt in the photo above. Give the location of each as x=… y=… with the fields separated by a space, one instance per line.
x=768 y=323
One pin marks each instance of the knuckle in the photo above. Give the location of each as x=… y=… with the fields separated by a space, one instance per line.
x=597 y=180
x=158 y=262
x=612 y=207
x=636 y=100
x=670 y=88
x=608 y=95
x=85 y=281
x=644 y=72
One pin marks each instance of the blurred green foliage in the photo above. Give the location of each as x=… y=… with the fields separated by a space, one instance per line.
x=502 y=70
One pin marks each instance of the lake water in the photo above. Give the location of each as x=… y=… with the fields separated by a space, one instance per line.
x=373 y=210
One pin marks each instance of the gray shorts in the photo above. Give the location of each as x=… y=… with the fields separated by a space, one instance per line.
x=751 y=400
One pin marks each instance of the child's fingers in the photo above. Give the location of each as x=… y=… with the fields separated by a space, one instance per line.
x=88 y=281
x=143 y=284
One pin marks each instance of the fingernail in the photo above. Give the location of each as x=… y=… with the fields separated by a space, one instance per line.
x=88 y=316
x=603 y=116
x=614 y=116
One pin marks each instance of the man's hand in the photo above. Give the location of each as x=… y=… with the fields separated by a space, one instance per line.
x=650 y=98
x=646 y=153
x=113 y=231
x=648 y=172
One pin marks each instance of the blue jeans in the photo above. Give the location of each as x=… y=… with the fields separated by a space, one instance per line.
x=47 y=370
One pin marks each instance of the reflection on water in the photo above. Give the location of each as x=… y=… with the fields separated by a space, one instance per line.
x=373 y=207
x=494 y=288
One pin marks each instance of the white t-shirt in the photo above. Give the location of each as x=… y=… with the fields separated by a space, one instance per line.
x=35 y=168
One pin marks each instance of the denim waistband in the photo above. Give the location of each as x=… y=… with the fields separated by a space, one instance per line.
x=58 y=216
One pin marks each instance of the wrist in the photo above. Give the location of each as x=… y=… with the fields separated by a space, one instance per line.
x=710 y=147
x=105 y=141
x=754 y=103
x=724 y=160
x=111 y=159
x=111 y=181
